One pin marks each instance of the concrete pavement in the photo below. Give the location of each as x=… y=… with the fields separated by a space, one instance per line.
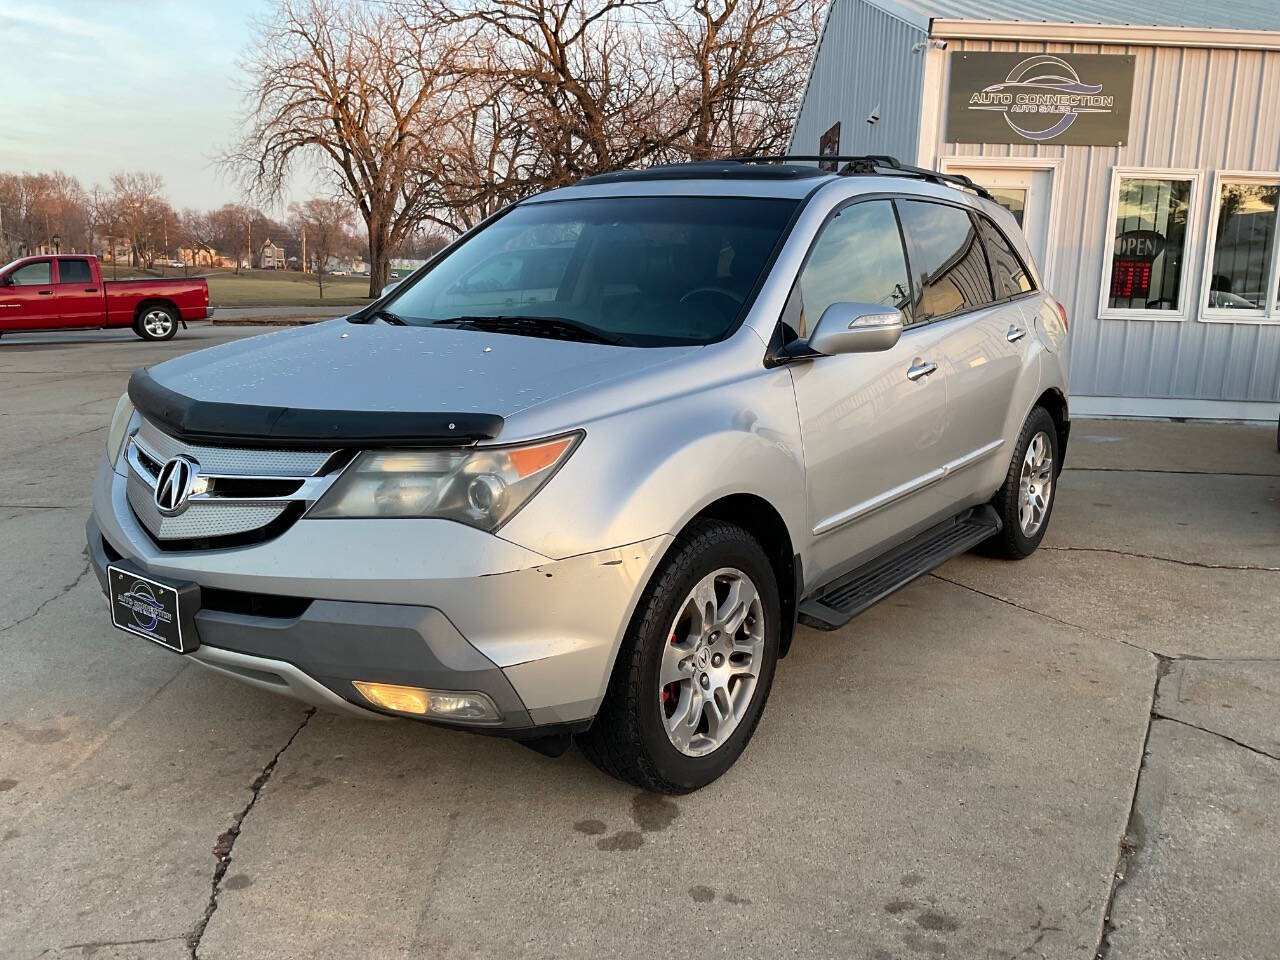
x=989 y=764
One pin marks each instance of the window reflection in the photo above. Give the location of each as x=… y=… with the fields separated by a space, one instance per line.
x=1244 y=245
x=1150 y=241
x=947 y=262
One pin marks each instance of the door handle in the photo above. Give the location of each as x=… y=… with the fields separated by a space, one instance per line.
x=90 y=289
x=920 y=369
x=1015 y=334
x=45 y=293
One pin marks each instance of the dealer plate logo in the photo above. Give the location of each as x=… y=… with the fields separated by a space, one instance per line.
x=146 y=610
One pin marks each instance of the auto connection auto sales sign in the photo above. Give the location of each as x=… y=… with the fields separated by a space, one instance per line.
x=1080 y=99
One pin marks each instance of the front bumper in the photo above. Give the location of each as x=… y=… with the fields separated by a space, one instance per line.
x=426 y=603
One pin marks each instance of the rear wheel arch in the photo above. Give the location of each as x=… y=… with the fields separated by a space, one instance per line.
x=153 y=307
x=1054 y=401
x=145 y=305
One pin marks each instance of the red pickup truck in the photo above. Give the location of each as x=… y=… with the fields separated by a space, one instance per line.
x=67 y=292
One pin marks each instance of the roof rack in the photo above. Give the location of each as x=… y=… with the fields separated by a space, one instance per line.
x=872 y=165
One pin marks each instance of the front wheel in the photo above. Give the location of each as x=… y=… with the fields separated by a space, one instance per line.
x=694 y=671
x=1025 y=501
x=156 y=323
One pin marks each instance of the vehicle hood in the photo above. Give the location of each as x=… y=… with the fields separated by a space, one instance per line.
x=358 y=367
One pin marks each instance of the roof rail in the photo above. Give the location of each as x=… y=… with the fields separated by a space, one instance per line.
x=876 y=164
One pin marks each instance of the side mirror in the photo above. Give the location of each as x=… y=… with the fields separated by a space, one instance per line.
x=389 y=287
x=856 y=328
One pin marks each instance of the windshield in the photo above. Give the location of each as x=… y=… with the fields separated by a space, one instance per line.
x=640 y=271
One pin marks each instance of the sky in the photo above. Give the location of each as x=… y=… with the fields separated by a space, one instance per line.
x=93 y=87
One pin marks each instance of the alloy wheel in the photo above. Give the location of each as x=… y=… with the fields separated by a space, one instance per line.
x=157 y=323
x=1035 y=486
x=711 y=662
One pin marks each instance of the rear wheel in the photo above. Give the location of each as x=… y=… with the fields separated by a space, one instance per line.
x=1025 y=501
x=156 y=323
x=694 y=671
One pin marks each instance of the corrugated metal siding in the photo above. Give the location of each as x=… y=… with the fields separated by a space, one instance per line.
x=864 y=62
x=1225 y=14
x=1194 y=109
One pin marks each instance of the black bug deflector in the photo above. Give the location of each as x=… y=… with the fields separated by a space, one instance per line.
x=213 y=422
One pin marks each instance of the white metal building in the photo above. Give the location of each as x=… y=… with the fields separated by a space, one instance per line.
x=1137 y=142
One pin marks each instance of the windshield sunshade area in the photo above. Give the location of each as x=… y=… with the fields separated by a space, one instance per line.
x=634 y=271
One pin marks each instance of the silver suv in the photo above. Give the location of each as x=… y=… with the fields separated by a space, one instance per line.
x=581 y=474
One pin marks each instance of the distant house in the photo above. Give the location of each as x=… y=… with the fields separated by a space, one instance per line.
x=401 y=267
x=345 y=266
x=271 y=257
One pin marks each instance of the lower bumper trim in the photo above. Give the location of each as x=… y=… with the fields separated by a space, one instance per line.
x=278 y=676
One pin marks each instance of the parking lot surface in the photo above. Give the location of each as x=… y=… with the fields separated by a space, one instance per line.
x=1076 y=754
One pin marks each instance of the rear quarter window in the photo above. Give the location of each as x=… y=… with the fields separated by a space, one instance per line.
x=1009 y=275
x=948 y=266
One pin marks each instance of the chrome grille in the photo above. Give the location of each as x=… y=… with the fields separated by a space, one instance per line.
x=241 y=489
x=234 y=461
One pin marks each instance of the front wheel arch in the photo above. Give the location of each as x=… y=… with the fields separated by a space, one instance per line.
x=760 y=519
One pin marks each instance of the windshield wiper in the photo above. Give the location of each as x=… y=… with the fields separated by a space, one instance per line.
x=386 y=315
x=555 y=327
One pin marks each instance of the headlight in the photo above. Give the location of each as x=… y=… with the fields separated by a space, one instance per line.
x=479 y=486
x=119 y=427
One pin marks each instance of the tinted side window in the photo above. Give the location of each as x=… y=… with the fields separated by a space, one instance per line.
x=1007 y=270
x=856 y=259
x=74 y=271
x=36 y=274
x=948 y=266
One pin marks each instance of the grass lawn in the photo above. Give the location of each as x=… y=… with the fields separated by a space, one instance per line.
x=259 y=288
x=283 y=288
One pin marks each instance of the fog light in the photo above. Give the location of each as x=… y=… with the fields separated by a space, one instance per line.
x=445 y=704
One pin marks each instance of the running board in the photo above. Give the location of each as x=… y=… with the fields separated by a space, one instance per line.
x=836 y=603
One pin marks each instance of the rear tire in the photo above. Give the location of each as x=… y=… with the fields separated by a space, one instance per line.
x=156 y=323
x=677 y=736
x=1025 y=500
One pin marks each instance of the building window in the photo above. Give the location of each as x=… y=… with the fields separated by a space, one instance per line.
x=1149 y=246
x=1242 y=275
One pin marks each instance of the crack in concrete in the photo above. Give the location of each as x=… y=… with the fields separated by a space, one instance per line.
x=227 y=839
x=1038 y=613
x=57 y=596
x=1134 y=555
x=1128 y=845
x=1215 y=733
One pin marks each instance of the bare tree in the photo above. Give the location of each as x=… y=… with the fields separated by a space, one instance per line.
x=199 y=236
x=357 y=93
x=41 y=210
x=556 y=90
x=325 y=223
x=142 y=212
x=231 y=226
x=736 y=65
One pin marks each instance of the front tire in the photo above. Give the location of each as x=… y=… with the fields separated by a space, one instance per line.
x=1025 y=500
x=156 y=323
x=695 y=667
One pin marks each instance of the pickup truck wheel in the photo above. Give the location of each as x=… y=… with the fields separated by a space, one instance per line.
x=156 y=323
x=1025 y=501
x=694 y=671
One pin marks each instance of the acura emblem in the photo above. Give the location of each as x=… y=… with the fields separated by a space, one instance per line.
x=173 y=486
